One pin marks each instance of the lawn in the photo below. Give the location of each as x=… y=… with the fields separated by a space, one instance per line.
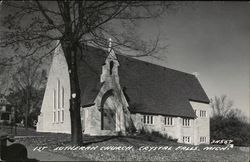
x=131 y=148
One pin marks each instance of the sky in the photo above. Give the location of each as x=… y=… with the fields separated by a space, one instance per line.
x=213 y=39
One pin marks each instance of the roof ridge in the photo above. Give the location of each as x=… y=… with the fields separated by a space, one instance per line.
x=150 y=88
x=143 y=61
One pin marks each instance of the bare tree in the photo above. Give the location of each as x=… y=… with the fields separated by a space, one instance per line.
x=36 y=25
x=27 y=80
x=221 y=106
x=228 y=122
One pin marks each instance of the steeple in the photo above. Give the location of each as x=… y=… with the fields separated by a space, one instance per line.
x=111 y=53
x=110 y=68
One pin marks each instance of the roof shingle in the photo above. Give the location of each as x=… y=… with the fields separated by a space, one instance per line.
x=149 y=88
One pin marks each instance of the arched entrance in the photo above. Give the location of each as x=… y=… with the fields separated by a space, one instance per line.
x=108 y=111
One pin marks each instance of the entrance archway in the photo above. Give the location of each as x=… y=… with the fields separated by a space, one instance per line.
x=108 y=111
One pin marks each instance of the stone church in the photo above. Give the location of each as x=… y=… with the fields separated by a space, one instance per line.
x=120 y=93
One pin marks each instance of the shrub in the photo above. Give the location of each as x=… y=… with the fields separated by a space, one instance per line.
x=231 y=128
x=158 y=134
x=119 y=134
x=228 y=123
x=152 y=136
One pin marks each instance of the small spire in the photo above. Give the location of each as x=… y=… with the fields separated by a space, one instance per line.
x=196 y=74
x=110 y=44
x=111 y=53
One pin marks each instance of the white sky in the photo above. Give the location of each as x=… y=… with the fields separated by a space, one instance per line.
x=211 y=38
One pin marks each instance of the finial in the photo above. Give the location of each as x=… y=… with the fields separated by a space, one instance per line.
x=110 y=44
x=111 y=52
x=196 y=74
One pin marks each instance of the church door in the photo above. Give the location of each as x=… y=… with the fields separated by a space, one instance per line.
x=109 y=119
x=109 y=115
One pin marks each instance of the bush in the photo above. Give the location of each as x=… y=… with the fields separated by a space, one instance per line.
x=152 y=136
x=119 y=134
x=230 y=128
x=158 y=134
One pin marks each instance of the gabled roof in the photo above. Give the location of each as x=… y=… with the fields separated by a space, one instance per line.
x=149 y=88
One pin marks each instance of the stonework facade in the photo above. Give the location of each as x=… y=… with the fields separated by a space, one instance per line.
x=185 y=130
x=55 y=115
x=110 y=114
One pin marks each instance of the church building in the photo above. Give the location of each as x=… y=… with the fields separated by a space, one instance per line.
x=120 y=93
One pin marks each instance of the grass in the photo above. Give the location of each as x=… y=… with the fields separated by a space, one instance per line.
x=53 y=140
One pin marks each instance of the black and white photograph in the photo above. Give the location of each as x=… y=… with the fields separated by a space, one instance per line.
x=124 y=80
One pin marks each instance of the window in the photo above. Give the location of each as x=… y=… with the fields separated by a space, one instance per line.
x=148 y=119
x=111 y=64
x=168 y=120
x=54 y=116
x=203 y=139
x=186 y=139
x=62 y=116
x=58 y=103
x=62 y=104
x=58 y=115
x=203 y=113
x=186 y=122
x=3 y=108
x=62 y=97
x=195 y=112
x=54 y=105
x=54 y=99
x=5 y=116
x=58 y=93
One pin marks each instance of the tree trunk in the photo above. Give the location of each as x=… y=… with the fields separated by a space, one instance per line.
x=27 y=107
x=76 y=127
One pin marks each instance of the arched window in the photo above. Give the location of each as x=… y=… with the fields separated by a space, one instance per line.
x=58 y=94
x=54 y=99
x=62 y=97
x=62 y=104
x=54 y=105
x=111 y=65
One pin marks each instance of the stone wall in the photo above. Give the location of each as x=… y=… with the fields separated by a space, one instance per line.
x=92 y=120
x=158 y=125
x=58 y=85
x=58 y=78
x=202 y=123
x=198 y=127
x=110 y=99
